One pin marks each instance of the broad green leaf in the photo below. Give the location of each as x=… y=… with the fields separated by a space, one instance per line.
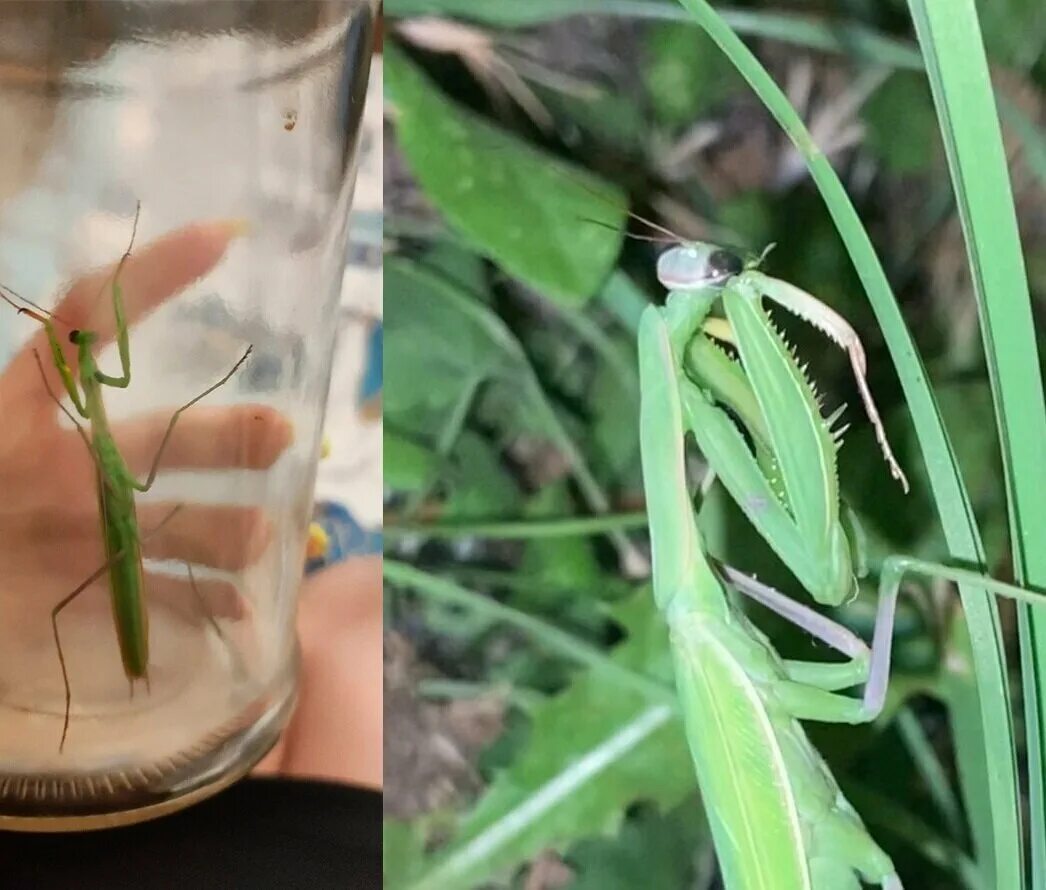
x=434 y=347
x=520 y=206
x=594 y=749
x=654 y=850
x=566 y=568
x=437 y=329
x=479 y=485
x=406 y=465
x=464 y=267
x=614 y=410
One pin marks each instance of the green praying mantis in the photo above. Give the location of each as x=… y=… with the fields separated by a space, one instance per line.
x=779 y=820
x=116 y=485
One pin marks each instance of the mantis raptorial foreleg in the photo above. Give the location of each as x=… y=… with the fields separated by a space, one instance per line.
x=784 y=476
x=835 y=327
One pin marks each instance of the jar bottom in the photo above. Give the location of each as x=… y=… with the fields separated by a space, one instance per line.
x=82 y=801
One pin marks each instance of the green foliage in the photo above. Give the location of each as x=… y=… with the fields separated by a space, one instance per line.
x=654 y=850
x=560 y=568
x=406 y=464
x=685 y=74
x=580 y=769
x=510 y=410
x=518 y=205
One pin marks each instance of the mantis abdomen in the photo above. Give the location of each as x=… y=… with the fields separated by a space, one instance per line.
x=744 y=779
x=124 y=557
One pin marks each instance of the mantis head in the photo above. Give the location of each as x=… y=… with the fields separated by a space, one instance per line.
x=82 y=338
x=695 y=264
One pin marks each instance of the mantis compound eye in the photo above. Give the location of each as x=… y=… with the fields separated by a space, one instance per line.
x=723 y=264
x=74 y=336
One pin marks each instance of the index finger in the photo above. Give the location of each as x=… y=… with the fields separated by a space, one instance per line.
x=148 y=278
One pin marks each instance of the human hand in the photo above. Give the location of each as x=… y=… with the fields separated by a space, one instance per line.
x=335 y=732
x=50 y=528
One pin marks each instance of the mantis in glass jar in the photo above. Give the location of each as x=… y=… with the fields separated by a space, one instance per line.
x=779 y=820
x=228 y=436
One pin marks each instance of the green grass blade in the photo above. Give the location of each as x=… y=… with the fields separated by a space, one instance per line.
x=799 y=30
x=951 y=498
x=547 y=635
x=524 y=529
x=929 y=766
x=950 y=35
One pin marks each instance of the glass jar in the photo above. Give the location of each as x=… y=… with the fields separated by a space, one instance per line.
x=223 y=137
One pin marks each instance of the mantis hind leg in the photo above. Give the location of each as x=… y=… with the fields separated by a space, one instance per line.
x=844 y=849
x=239 y=668
x=830 y=874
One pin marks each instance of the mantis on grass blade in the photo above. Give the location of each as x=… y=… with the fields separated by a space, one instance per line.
x=116 y=485
x=778 y=818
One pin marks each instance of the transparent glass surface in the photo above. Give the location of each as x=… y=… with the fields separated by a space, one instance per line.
x=233 y=127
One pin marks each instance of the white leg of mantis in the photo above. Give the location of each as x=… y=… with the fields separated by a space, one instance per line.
x=805 y=690
x=822 y=675
x=808 y=694
x=836 y=328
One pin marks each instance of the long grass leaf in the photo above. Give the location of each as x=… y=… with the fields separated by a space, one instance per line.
x=523 y=529
x=799 y=30
x=949 y=33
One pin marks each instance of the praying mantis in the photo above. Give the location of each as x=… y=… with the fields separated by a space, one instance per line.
x=193 y=249
x=779 y=820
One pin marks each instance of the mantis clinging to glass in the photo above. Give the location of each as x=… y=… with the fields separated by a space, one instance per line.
x=779 y=820
x=116 y=485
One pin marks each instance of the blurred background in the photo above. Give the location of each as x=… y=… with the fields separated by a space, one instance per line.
x=515 y=137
